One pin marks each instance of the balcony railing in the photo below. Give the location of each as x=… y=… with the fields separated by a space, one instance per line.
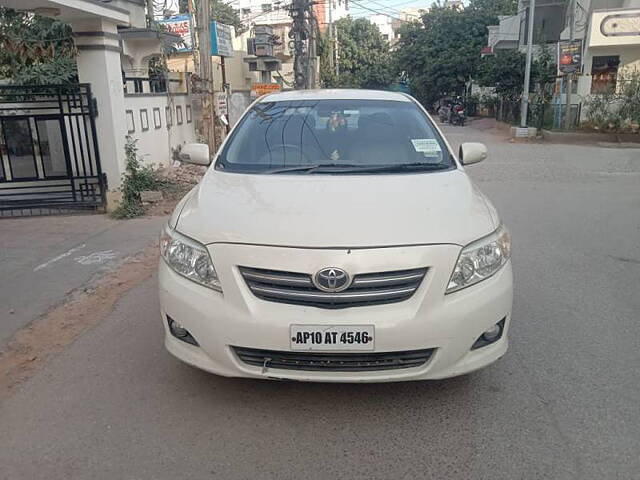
x=174 y=83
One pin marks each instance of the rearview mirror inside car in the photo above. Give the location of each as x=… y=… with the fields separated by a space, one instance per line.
x=195 y=153
x=472 y=152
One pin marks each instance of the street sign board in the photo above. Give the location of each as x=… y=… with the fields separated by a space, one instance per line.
x=569 y=57
x=221 y=40
x=181 y=25
x=221 y=103
x=259 y=89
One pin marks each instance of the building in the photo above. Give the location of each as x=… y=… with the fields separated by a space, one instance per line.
x=611 y=42
x=66 y=146
x=385 y=25
x=609 y=32
x=505 y=35
x=276 y=15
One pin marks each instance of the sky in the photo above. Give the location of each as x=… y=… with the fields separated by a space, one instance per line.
x=389 y=7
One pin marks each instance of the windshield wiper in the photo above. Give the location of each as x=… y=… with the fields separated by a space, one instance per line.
x=351 y=168
x=399 y=167
x=314 y=167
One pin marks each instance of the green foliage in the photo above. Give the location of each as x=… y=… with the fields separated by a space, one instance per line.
x=441 y=54
x=35 y=49
x=136 y=179
x=629 y=94
x=504 y=71
x=221 y=11
x=364 y=59
x=544 y=72
x=616 y=110
x=495 y=7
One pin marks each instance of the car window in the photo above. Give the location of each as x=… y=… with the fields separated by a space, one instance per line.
x=354 y=133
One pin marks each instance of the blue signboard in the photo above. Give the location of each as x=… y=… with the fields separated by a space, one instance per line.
x=221 y=40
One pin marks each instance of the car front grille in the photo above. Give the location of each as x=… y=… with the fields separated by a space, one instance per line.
x=333 y=362
x=365 y=289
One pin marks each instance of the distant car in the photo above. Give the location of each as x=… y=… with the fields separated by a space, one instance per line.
x=336 y=238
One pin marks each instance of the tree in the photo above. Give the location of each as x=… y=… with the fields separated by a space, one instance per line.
x=364 y=59
x=442 y=53
x=495 y=7
x=221 y=12
x=35 y=50
x=545 y=72
x=504 y=71
x=224 y=13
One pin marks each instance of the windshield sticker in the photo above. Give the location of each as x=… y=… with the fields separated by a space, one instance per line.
x=351 y=112
x=428 y=146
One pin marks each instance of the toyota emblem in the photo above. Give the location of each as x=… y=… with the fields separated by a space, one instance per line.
x=332 y=280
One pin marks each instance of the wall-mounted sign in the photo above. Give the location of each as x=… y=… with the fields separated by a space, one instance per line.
x=180 y=25
x=259 y=89
x=221 y=103
x=569 y=56
x=221 y=40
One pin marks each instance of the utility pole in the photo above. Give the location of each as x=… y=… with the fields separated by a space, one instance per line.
x=572 y=25
x=206 y=78
x=527 y=70
x=299 y=34
x=225 y=90
x=335 y=51
x=150 y=18
x=304 y=34
x=331 y=36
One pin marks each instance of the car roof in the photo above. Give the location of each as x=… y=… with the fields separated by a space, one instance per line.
x=335 y=94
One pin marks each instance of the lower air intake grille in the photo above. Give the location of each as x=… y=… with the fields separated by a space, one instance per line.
x=366 y=289
x=333 y=362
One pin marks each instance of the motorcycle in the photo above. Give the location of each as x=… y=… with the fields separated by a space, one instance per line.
x=457 y=116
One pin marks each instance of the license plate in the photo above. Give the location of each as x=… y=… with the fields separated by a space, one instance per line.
x=332 y=337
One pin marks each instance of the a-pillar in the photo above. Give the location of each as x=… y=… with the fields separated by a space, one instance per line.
x=99 y=64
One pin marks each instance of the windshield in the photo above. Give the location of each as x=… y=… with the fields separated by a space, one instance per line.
x=334 y=136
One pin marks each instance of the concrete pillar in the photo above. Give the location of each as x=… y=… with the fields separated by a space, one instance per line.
x=99 y=64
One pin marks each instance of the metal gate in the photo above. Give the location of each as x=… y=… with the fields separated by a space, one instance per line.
x=49 y=158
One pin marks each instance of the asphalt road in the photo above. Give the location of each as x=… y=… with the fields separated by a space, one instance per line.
x=563 y=403
x=43 y=259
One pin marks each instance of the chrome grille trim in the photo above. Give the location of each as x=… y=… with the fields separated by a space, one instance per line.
x=366 y=289
x=333 y=362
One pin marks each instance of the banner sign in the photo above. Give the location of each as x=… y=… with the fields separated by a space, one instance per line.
x=180 y=25
x=570 y=57
x=221 y=40
x=259 y=89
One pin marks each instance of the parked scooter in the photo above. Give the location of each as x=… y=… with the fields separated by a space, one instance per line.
x=457 y=114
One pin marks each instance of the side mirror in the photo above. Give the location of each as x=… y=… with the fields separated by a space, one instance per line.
x=472 y=152
x=196 y=153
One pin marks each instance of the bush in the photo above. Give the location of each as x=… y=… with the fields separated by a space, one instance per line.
x=136 y=179
x=616 y=110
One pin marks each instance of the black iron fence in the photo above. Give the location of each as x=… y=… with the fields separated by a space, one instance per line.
x=49 y=156
x=543 y=115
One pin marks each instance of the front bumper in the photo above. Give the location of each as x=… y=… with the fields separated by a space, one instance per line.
x=429 y=319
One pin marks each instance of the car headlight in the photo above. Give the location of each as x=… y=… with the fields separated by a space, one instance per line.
x=481 y=259
x=188 y=258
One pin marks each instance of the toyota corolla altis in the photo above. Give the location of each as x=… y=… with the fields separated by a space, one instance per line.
x=336 y=237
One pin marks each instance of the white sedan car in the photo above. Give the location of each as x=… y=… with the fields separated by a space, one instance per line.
x=336 y=238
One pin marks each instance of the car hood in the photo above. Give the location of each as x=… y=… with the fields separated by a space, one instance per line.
x=337 y=210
